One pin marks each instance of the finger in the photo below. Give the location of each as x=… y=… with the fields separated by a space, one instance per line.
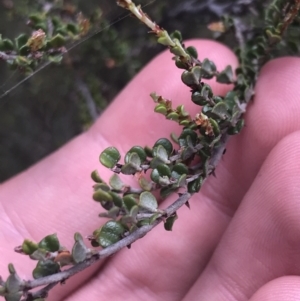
x=273 y=114
x=54 y=195
x=188 y=250
x=261 y=242
x=285 y=288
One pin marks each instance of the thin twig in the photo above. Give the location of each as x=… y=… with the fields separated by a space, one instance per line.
x=7 y=57
x=139 y=233
x=42 y=293
x=86 y=94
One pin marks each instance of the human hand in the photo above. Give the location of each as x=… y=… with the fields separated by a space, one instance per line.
x=241 y=231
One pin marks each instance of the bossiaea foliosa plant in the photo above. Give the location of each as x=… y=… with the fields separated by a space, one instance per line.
x=176 y=165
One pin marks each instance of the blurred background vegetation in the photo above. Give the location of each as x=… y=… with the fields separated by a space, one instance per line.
x=60 y=101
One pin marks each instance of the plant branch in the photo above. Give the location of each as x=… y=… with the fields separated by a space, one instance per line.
x=7 y=57
x=42 y=293
x=52 y=280
x=86 y=94
x=127 y=241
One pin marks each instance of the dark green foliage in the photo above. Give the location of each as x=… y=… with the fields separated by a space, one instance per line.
x=40 y=117
x=45 y=268
x=170 y=222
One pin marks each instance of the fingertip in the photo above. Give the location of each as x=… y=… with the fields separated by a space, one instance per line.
x=275 y=109
x=285 y=288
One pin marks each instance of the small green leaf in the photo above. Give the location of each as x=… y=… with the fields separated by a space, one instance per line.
x=133 y=213
x=208 y=69
x=166 y=191
x=178 y=170
x=21 y=40
x=133 y=165
x=127 y=219
x=166 y=143
x=49 y=243
x=110 y=233
x=145 y=184
x=184 y=137
x=116 y=182
x=273 y=37
x=148 y=201
x=129 y=169
x=110 y=157
x=154 y=217
x=79 y=250
x=192 y=51
x=170 y=221
x=148 y=151
x=182 y=111
x=201 y=98
x=28 y=246
x=155 y=97
x=173 y=116
x=13 y=283
x=24 y=50
x=193 y=77
x=96 y=177
x=57 y=41
x=155 y=175
x=45 y=268
x=163 y=40
x=221 y=110
x=117 y=200
x=101 y=186
x=161 y=153
x=161 y=108
x=39 y=254
x=36 y=18
x=56 y=59
x=235 y=130
x=226 y=76
x=215 y=126
x=78 y=237
x=134 y=159
x=129 y=201
x=139 y=151
x=184 y=122
x=40 y=25
x=112 y=213
x=102 y=196
x=176 y=35
x=231 y=99
x=163 y=170
x=195 y=185
x=6 y=45
x=180 y=64
x=181 y=181
x=144 y=222
x=174 y=138
x=164 y=181
x=72 y=28
x=177 y=50
x=187 y=153
x=156 y=161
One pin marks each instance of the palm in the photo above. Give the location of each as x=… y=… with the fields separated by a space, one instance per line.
x=241 y=231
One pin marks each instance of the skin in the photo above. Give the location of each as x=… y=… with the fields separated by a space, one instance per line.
x=240 y=239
